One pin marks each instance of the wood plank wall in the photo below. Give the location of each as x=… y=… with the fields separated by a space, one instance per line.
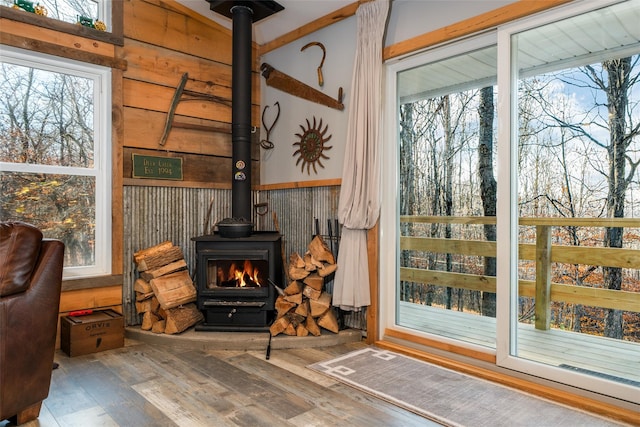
x=162 y=41
x=153 y=43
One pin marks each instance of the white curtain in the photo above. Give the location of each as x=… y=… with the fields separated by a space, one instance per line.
x=359 y=204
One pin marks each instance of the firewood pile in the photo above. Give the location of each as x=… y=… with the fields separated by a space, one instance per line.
x=303 y=307
x=165 y=293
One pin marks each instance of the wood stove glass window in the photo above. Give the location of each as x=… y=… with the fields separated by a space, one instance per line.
x=240 y=273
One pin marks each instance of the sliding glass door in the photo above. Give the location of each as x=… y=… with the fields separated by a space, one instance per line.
x=447 y=197
x=512 y=201
x=573 y=156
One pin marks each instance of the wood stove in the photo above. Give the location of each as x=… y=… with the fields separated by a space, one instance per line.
x=236 y=268
x=235 y=280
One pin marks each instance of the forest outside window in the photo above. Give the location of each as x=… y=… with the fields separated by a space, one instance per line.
x=577 y=142
x=540 y=213
x=447 y=197
x=55 y=154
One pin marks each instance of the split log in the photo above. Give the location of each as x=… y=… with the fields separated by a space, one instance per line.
x=283 y=306
x=160 y=247
x=312 y=326
x=296 y=298
x=314 y=281
x=321 y=305
x=159 y=326
x=290 y=330
x=148 y=275
x=301 y=331
x=279 y=326
x=296 y=261
x=181 y=318
x=155 y=307
x=296 y=319
x=310 y=263
x=159 y=259
x=142 y=297
x=296 y=273
x=143 y=306
x=327 y=269
x=303 y=308
x=329 y=321
x=174 y=289
x=311 y=293
x=320 y=251
x=294 y=287
x=148 y=319
x=142 y=286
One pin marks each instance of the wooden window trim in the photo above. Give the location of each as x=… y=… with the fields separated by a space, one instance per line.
x=91 y=282
x=473 y=25
x=115 y=37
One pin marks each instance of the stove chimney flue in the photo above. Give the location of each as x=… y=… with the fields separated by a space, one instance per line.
x=243 y=14
x=241 y=113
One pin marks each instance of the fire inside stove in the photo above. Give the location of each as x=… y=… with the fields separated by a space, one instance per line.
x=237 y=273
x=235 y=280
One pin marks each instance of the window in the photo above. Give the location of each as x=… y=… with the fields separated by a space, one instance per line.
x=566 y=85
x=447 y=229
x=575 y=134
x=66 y=10
x=55 y=154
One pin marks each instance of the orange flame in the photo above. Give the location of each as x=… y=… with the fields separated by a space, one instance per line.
x=242 y=277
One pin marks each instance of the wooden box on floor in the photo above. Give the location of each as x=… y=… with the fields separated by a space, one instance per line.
x=91 y=333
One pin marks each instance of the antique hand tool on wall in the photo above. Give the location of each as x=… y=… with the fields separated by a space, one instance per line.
x=292 y=86
x=190 y=96
x=266 y=143
x=324 y=55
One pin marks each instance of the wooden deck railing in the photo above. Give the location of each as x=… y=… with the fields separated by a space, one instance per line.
x=543 y=252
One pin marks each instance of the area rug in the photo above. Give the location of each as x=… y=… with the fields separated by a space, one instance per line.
x=445 y=396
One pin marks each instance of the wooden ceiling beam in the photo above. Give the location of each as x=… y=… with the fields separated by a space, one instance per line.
x=311 y=27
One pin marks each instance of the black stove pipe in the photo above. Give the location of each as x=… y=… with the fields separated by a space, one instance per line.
x=241 y=112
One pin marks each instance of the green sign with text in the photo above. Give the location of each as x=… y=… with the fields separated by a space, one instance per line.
x=157 y=167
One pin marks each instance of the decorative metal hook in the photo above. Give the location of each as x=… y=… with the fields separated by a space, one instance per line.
x=266 y=143
x=324 y=54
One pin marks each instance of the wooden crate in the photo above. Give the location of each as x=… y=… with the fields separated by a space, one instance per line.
x=91 y=333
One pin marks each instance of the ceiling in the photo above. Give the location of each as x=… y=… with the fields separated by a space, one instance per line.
x=602 y=34
x=296 y=13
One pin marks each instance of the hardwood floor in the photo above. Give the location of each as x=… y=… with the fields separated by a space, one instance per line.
x=154 y=385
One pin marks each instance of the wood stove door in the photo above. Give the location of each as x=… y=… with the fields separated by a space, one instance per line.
x=233 y=289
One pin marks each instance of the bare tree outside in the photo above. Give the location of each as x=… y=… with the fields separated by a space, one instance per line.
x=46 y=118
x=488 y=186
x=578 y=157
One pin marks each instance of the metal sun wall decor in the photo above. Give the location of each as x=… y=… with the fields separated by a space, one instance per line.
x=312 y=145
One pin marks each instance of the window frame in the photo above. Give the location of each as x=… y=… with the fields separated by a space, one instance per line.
x=101 y=170
x=507 y=215
x=507 y=211
x=390 y=208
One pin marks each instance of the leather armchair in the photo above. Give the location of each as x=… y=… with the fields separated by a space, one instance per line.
x=30 y=283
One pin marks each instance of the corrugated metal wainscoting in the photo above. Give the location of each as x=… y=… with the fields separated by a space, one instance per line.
x=156 y=214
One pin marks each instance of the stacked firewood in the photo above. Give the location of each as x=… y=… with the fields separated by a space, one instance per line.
x=303 y=307
x=165 y=293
